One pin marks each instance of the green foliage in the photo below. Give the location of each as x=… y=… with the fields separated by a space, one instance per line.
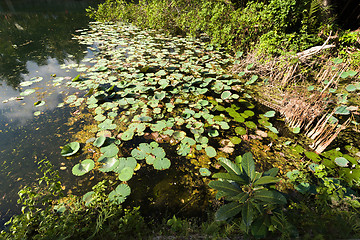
x=293 y=25
x=250 y=193
x=329 y=191
x=45 y=215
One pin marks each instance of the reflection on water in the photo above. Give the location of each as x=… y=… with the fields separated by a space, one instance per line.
x=35 y=39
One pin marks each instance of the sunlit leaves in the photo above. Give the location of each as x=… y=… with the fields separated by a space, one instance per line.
x=70 y=149
x=83 y=167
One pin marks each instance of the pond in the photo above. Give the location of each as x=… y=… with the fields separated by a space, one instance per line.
x=36 y=39
x=154 y=114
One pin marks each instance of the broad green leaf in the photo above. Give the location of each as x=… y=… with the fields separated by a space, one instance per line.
x=226 y=187
x=27 y=92
x=240 y=130
x=271 y=172
x=351 y=88
x=230 y=176
x=240 y=198
x=225 y=95
x=120 y=194
x=127 y=135
x=230 y=166
x=110 y=150
x=266 y=180
x=248 y=165
x=88 y=197
x=235 y=140
x=269 y=196
x=158 y=152
x=303 y=187
x=138 y=154
x=247 y=214
x=313 y=156
x=227 y=211
x=259 y=228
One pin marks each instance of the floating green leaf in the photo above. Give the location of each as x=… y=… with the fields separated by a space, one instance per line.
x=83 y=167
x=213 y=133
x=127 y=135
x=161 y=163
x=351 y=88
x=126 y=174
x=110 y=150
x=341 y=161
x=88 y=198
x=342 y=110
x=119 y=195
x=210 y=151
x=204 y=172
x=99 y=141
x=39 y=103
x=235 y=140
x=269 y=114
x=70 y=149
x=252 y=80
x=108 y=163
x=27 y=92
x=240 y=130
x=225 y=95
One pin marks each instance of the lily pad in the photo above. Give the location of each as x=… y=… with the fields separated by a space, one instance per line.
x=341 y=161
x=269 y=114
x=210 y=151
x=204 y=172
x=110 y=150
x=39 y=103
x=161 y=163
x=126 y=174
x=240 y=130
x=70 y=149
x=88 y=198
x=225 y=95
x=119 y=195
x=109 y=163
x=127 y=135
x=83 y=167
x=27 y=92
x=351 y=88
x=99 y=141
x=342 y=110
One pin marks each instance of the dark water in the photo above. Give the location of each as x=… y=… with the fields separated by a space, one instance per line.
x=35 y=40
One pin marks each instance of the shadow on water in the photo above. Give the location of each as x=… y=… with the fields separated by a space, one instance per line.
x=35 y=39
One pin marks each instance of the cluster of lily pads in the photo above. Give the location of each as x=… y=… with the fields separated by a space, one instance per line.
x=143 y=85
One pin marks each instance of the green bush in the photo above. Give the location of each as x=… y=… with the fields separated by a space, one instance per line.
x=293 y=25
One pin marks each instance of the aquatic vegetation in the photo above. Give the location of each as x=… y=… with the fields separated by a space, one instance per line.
x=70 y=149
x=152 y=97
x=83 y=167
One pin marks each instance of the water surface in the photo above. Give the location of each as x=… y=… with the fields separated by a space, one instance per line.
x=35 y=40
